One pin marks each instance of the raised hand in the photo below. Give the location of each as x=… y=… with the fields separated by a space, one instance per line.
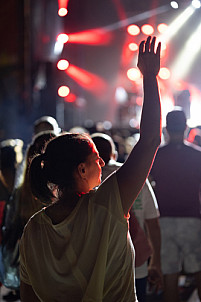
x=148 y=59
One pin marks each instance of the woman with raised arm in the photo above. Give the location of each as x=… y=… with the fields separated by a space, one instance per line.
x=78 y=248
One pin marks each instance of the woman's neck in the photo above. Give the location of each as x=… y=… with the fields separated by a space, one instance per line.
x=62 y=208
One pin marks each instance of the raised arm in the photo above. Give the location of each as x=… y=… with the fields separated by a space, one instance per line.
x=132 y=175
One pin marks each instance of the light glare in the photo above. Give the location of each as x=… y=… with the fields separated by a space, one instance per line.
x=196 y=3
x=133 y=74
x=182 y=64
x=58 y=47
x=164 y=73
x=162 y=27
x=63 y=91
x=62 y=38
x=133 y=46
x=174 y=27
x=133 y=30
x=174 y=4
x=62 y=64
x=147 y=29
x=62 y=12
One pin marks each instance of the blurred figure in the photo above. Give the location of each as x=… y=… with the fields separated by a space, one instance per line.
x=107 y=150
x=19 y=208
x=10 y=157
x=78 y=129
x=46 y=123
x=176 y=175
x=145 y=209
x=194 y=136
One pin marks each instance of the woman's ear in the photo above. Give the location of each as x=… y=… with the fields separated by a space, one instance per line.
x=82 y=170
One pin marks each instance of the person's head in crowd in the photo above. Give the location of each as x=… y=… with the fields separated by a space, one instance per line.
x=11 y=156
x=28 y=204
x=46 y=123
x=176 y=123
x=39 y=142
x=78 y=129
x=71 y=162
x=105 y=146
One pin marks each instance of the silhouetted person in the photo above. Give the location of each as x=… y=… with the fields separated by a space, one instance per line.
x=46 y=123
x=177 y=176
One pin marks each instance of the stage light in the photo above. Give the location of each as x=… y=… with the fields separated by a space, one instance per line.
x=62 y=64
x=164 y=73
x=91 y=37
x=58 y=47
x=62 y=38
x=63 y=91
x=133 y=46
x=175 y=26
x=62 y=4
x=133 y=30
x=121 y=96
x=62 y=12
x=147 y=29
x=87 y=80
x=196 y=3
x=174 y=4
x=162 y=27
x=133 y=74
x=184 y=61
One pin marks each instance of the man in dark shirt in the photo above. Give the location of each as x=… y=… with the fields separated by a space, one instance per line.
x=176 y=173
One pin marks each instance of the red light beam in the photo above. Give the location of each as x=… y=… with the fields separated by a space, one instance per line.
x=62 y=11
x=63 y=3
x=91 y=37
x=87 y=80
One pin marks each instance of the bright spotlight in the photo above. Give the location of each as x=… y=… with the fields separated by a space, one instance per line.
x=147 y=29
x=62 y=38
x=62 y=12
x=162 y=27
x=133 y=46
x=196 y=3
x=184 y=61
x=121 y=95
x=175 y=26
x=133 y=74
x=58 y=47
x=174 y=4
x=133 y=30
x=62 y=64
x=164 y=73
x=63 y=91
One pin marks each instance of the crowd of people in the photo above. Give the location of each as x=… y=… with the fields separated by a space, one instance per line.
x=82 y=221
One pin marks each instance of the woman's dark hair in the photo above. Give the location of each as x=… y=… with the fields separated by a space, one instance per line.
x=57 y=164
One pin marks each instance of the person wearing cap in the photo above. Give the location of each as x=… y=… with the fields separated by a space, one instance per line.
x=176 y=175
x=44 y=123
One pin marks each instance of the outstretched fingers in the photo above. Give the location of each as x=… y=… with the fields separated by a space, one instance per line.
x=141 y=47
x=147 y=44
x=153 y=44
x=149 y=59
x=158 y=50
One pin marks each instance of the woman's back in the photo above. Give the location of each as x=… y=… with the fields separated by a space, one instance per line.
x=86 y=255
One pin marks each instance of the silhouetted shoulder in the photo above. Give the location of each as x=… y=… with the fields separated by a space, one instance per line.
x=192 y=146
